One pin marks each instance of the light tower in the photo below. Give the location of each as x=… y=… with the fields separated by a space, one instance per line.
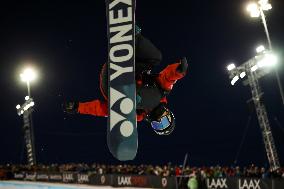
x=251 y=71
x=256 y=10
x=26 y=110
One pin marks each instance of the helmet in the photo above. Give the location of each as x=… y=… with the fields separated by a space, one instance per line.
x=162 y=120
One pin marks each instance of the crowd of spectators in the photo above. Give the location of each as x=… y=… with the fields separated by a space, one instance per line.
x=164 y=170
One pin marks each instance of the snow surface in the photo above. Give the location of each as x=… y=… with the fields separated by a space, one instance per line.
x=41 y=185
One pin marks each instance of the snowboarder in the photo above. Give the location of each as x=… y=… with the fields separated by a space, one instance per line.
x=151 y=89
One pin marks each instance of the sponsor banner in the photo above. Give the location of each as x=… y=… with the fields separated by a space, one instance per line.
x=30 y=176
x=55 y=177
x=19 y=176
x=243 y=183
x=104 y=180
x=42 y=176
x=143 y=181
x=253 y=183
x=83 y=178
x=69 y=177
x=131 y=181
x=220 y=183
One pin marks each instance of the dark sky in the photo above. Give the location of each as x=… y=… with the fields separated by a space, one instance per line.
x=66 y=42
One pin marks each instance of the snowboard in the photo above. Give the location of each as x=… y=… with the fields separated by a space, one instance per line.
x=122 y=136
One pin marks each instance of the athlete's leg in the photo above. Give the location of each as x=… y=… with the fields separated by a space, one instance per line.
x=147 y=54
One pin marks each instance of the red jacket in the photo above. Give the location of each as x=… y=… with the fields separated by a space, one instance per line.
x=166 y=79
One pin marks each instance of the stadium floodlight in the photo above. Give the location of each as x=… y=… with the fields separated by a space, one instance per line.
x=234 y=80
x=27 y=98
x=267 y=60
x=28 y=75
x=253 y=9
x=243 y=74
x=25 y=108
x=260 y=49
x=254 y=68
x=231 y=67
x=257 y=10
x=264 y=5
x=18 y=106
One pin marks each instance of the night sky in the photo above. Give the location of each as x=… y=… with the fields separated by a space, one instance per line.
x=67 y=43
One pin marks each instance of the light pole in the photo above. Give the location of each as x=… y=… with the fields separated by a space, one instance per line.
x=26 y=110
x=251 y=71
x=257 y=9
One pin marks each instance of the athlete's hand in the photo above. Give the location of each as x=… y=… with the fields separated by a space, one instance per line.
x=70 y=107
x=182 y=68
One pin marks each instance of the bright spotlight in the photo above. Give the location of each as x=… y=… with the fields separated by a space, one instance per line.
x=254 y=68
x=32 y=103
x=265 y=5
x=268 y=60
x=18 y=106
x=243 y=74
x=26 y=108
x=231 y=67
x=253 y=9
x=28 y=75
x=260 y=49
x=234 y=80
x=27 y=98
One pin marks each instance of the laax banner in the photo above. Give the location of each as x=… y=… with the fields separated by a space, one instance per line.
x=144 y=181
x=55 y=177
x=105 y=180
x=218 y=183
x=69 y=178
x=42 y=177
x=98 y=179
x=243 y=183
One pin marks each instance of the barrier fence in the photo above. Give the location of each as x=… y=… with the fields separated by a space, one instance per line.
x=105 y=180
x=245 y=183
x=144 y=181
x=237 y=183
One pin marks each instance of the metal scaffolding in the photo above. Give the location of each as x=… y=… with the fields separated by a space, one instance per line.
x=263 y=120
x=26 y=110
x=254 y=70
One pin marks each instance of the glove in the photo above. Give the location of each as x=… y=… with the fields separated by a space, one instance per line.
x=182 y=68
x=70 y=107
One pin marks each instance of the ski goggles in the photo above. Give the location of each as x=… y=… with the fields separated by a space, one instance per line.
x=162 y=124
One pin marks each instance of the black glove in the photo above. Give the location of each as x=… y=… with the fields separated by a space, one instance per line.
x=70 y=107
x=182 y=68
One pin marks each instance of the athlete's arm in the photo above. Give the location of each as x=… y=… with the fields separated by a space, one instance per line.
x=99 y=108
x=95 y=107
x=169 y=76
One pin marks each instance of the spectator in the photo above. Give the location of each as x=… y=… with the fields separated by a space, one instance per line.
x=192 y=181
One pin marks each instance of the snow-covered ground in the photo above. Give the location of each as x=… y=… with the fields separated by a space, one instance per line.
x=42 y=185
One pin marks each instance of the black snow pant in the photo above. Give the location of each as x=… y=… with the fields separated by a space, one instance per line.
x=147 y=55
